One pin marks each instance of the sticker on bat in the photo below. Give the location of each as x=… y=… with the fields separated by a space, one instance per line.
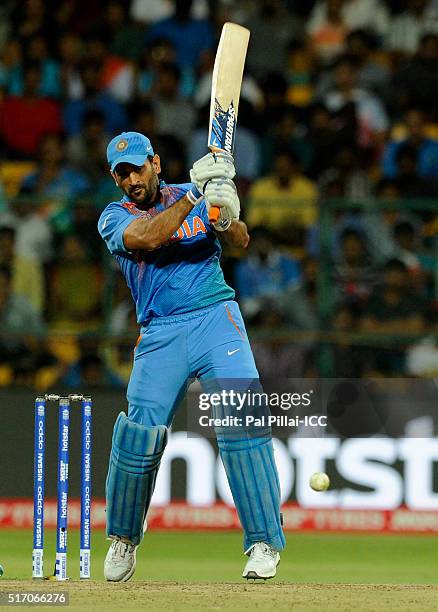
x=223 y=128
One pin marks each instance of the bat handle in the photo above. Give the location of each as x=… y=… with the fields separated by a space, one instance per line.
x=213 y=214
x=215 y=211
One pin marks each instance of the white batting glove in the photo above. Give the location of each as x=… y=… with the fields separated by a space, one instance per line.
x=222 y=193
x=211 y=166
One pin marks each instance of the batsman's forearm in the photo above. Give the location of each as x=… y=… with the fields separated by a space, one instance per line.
x=236 y=235
x=149 y=234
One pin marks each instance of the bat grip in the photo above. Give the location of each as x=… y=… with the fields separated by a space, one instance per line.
x=214 y=213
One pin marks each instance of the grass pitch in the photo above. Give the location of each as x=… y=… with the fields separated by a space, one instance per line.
x=201 y=571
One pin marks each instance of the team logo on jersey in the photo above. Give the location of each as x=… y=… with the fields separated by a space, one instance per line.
x=121 y=145
x=190 y=228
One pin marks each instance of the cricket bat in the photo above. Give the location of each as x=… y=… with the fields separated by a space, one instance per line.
x=225 y=91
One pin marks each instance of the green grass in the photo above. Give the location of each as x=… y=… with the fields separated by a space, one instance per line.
x=212 y=556
x=201 y=571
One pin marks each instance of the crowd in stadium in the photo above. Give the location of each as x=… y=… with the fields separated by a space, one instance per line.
x=339 y=102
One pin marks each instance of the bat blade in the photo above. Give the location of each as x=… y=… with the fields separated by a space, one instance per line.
x=225 y=90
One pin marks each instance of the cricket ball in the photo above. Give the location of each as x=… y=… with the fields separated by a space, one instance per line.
x=319 y=481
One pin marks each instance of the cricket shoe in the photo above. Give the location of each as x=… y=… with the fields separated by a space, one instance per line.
x=262 y=562
x=120 y=561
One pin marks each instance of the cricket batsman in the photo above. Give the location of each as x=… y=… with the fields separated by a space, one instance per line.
x=191 y=327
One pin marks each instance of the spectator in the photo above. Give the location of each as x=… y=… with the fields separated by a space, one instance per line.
x=369 y=15
x=408 y=250
x=16 y=314
x=364 y=14
x=300 y=306
x=94 y=98
x=20 y=132
x=87 y=151
x=169 y=147
x=348 y=170
x=372 y=73
x=126 y=37
x=348 y=359
x=300 y=74
x=322 y=139
x=327 y=30
x=7 y=245
x=272 y=27
x=331 y=21
x=151 y=11
x=144 y=120
x=422 y=359
x=69 y=53
x=10 y=63
x=284 y=201
x=406 y=238
x=37 y=51
x=117 y=74
x=393 y=307
x=346 y=97
x=30 y=18
x=32 y=250
x=159 y=53
x=75 y=287
x=123 y=320
x=263 y=277
x=54 y=177
x=68 y=16
x=277 y=358
x=89 y=370
x=411 y=184
x=287 y=134
x=274 y=88
x=85 y=215
x=354 y=275
x=426 y=148
x=190 y=37
x=174 y=115
x=379 y=226
x=416 y=81
x=5 y=23
x=407 y=29
x=20 y=324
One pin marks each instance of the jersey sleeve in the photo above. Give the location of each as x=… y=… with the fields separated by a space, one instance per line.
x=112 y=223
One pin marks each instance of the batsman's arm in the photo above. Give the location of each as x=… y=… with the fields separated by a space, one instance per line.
x=236 y=235
x=149 y=234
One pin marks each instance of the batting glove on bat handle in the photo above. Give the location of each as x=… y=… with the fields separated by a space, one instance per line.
x=223 y=201
x=216 y=164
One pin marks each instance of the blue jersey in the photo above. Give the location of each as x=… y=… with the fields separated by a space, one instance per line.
x=178 y=277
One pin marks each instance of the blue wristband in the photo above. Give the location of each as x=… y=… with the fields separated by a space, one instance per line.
x=194 y=194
